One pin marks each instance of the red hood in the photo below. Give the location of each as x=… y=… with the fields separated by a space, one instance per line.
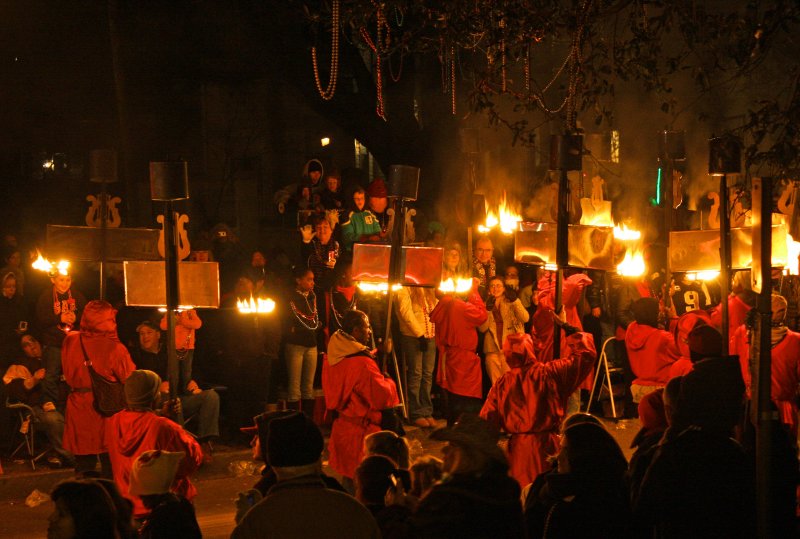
x=99 y=318
x=637 y=336
x=685 y=324
x=131 y=429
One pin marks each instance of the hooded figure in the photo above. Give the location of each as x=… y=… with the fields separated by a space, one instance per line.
x=680 y=333
x=651 y=351
x=530 y=400
x=84 y=434
x=785 y=362
x=138 y=429
x=356 y=389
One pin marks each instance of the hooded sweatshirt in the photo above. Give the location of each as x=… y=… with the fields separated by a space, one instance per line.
x=358 y=391
x=132 y=432
x=651 y=352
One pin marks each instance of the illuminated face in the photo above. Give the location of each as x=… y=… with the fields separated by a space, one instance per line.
x=306 y=282
x=483 y=251
x=31 y=347
x=324 y=231
x=258 y=260
x=332 y=182
x=9 y=288
x=512 y=273
x=496 y=287
x=148 y=339
x=778 y=315
x=452 y=259
x=378 y=204
x=363 y=332
x=358 y=200
x=62 y=283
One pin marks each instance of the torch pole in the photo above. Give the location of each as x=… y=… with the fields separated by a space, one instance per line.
x=171 y=265
x=667 y=186
x=103 y=227
x=725 y=258
x=562 y=253
x=761 y=351
x=395 y=258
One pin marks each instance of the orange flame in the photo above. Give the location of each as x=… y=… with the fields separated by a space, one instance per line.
x=506 y=218
x=61 y=267
x=632 y=265
x=255 y=306
x=456 y=286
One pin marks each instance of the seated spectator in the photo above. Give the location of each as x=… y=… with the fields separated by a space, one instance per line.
x=476 y=497
x=425 y=472
x=700 y=482
x=151 y=355
x=13 y=319
x=300 y=505
x=530 y=400
x=586 y=495
x=170 y=515
x=138 y=428
x=23 y=384
x=83 y=508
x=651 y=351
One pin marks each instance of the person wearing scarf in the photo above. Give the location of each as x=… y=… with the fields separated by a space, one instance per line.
x=785 y=362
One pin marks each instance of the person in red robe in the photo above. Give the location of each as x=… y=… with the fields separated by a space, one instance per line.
x=741 y=300
x=571 y=290
x=680 y=333
x=785 y=362
x=84 y=432
x=356 y=389
x=530 y=401
x=138 y=428
x=651 y=350
x=459 y=372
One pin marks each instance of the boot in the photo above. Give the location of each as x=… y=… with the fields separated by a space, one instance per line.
x=307 y=406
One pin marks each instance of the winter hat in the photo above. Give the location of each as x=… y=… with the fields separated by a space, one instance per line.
x=704 y=341
x=645 y=311
x=473 y=432
x=153 y=472
x=141 y=388
x=293 y=440
x=377 y=189
x=518 y=349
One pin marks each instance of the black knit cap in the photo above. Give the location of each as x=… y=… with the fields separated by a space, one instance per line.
x=293 y=440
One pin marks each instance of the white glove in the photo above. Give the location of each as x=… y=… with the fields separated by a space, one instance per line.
x=308 y=233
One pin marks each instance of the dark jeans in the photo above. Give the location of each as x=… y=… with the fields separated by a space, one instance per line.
x=419 y=375
x=51 y=360
x=459 y=404
x=52 y=424
x=205 y=405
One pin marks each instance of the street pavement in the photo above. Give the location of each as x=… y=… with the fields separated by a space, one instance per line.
x=217 y=486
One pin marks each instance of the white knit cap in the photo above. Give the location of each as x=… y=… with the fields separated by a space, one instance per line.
x=153 y=472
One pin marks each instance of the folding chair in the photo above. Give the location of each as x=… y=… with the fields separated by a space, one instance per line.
x=26 y=426
x=602 y=365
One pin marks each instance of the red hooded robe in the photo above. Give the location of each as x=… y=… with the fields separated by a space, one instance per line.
x=456 y=321
x=651 y=352
x=530 y=400
x=680 y=333
x=358 y=391
x=132 y=432
x=84 y=432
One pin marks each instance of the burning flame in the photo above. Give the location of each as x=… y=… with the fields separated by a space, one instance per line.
x=505 y=218
x=702 y=275
x=624 y=233
x=794 y=253
x=371 y=288
x=459 y=286
x=61 y=267
x=632 y=265
x=258 y=305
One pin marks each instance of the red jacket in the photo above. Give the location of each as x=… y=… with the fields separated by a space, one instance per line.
x=785 y=371
x=131 y=433
x=456 y=321
x=680 y=333
x=651 y=352
x=84 y=429
x=530 y=401
x=737 y=313
x=356 y=389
